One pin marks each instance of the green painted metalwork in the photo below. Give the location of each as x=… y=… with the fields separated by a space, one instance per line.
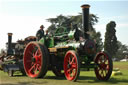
x=48 y=41
x=42 y=40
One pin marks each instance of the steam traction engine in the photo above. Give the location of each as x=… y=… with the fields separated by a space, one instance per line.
x=68 y=51
x=12 y=59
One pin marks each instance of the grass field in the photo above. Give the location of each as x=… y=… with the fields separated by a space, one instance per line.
x=86 y=78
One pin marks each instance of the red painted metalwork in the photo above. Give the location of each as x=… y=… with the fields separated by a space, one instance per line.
x=32 y=60
x=104 y=69
x=71 y=66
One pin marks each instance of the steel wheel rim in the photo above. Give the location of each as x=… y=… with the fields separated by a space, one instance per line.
x=32 y=60
x=103 y=67
x=70 y=66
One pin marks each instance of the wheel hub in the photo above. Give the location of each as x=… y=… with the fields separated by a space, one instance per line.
x=69 y=66
x=33 y=60
x=103 y=66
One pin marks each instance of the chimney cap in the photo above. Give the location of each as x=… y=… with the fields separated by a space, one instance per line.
x=85 y=6
x=9 y=34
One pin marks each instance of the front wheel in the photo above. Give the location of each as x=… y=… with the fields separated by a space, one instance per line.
x=71 y=65
x=104 y=67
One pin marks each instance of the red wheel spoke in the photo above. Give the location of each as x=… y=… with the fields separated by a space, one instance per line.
x=107 y=66
x=32 y=63
x=101 y=66
x=32 y=68
x=39 y=62
x=102 y=73
x=35 y=70
x=69 y=59
x=104 y=66
x=38 y=67
x=72 y=60
x=39 y=55
x=69 y=71
x=105 y=59
x=32 y=46
x=36 y=54
x=73 y=72
x=31 y=53
x=74 y=65
x=100 y=60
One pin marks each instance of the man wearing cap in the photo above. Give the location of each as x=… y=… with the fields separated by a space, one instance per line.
x=40 y=33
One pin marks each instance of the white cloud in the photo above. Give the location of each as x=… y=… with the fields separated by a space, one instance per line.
x=122 y=25
x=100 y=27
x=20 y=26
x=115 y=18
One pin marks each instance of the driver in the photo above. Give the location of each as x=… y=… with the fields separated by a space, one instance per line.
x=40 y=33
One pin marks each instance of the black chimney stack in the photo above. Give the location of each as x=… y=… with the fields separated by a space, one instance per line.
x=9 y=49
x=85 y=19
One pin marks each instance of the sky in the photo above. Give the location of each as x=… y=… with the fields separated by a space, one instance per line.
x=24 y=17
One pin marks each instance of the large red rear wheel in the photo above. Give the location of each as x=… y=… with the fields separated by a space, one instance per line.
x=35 y=60
x=104 y=66
x=71 y=65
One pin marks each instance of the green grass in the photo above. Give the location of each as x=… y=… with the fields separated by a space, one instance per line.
x=86 y=78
